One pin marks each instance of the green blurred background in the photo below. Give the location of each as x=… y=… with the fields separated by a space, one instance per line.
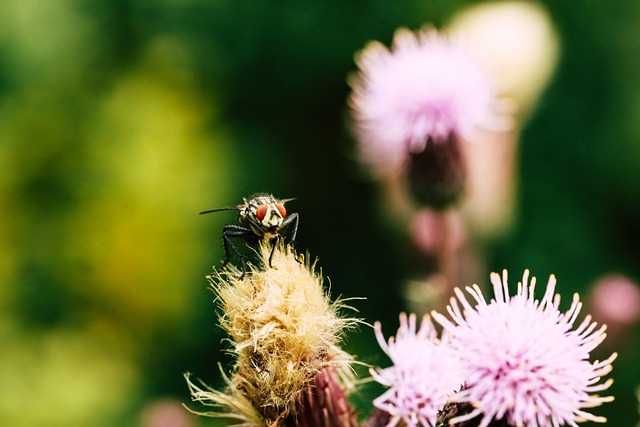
x=121 y=120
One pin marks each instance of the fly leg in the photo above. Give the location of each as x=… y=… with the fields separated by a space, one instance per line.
x=238 y=232
x=289 y=227
x=276 y=241
x=288 y=231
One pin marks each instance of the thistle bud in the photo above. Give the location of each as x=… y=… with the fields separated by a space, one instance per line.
x=323 y=403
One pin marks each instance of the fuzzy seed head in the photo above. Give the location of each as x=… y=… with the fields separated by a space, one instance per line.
x=283 y=331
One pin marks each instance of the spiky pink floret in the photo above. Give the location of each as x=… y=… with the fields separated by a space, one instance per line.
x=424 y=373
x=525 y=360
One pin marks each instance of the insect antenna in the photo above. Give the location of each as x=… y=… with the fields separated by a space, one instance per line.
x=226 y=208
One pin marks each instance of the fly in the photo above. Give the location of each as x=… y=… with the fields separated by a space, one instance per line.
x=261 y=217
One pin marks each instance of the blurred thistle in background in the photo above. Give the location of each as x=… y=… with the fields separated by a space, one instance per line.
x=437 y=118
x=411 y=106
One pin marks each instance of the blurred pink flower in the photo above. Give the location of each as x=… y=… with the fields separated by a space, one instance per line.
x=616 y=299
x=424 y=87
x=166 y=413
x=524 y=360
x=424 y=373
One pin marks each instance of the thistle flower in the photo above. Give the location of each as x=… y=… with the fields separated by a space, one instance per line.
x=424 y=372
x=526 y=362
x=283 y=331
x=424 y=89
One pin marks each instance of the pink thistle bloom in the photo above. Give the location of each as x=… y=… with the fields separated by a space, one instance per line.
x=526 y=361
x=424 y=373
x=424 y=87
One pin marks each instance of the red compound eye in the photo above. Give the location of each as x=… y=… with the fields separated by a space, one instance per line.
x=281 y=209
x=261 y=212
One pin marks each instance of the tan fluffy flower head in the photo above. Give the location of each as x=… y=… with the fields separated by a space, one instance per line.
x=283 y=330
